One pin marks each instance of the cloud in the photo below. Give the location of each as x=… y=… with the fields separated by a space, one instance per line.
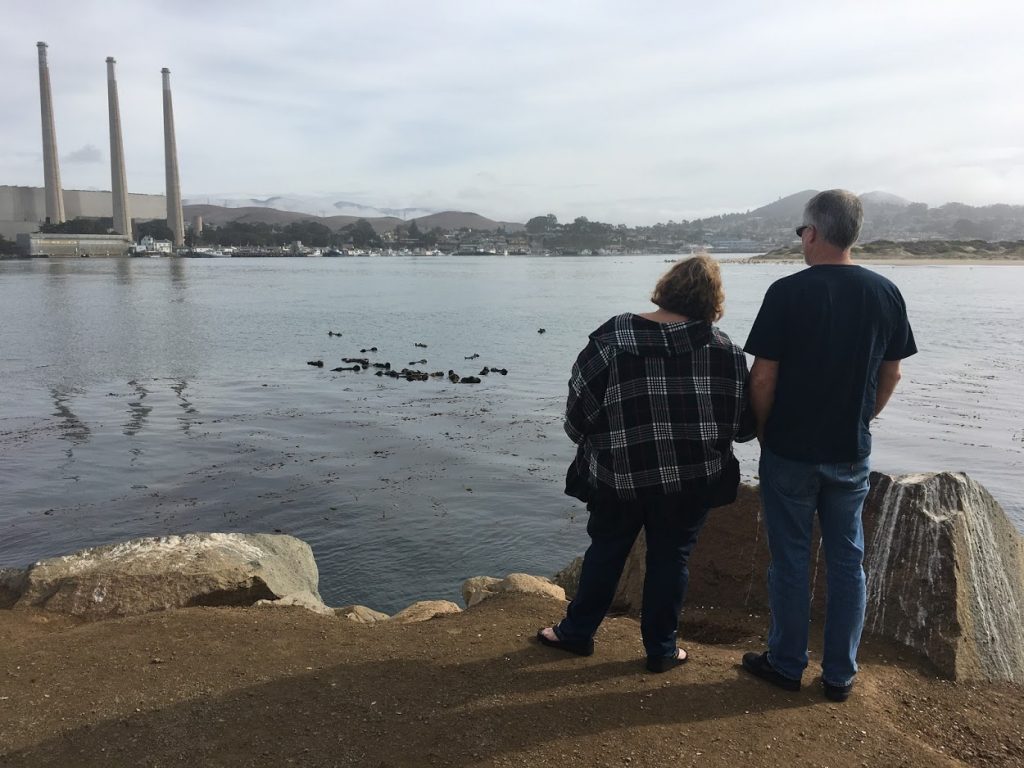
x=627 y=113
x=90 y=153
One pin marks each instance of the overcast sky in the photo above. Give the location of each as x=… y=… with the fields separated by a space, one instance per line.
x=624 y=112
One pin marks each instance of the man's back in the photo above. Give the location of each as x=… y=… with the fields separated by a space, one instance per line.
x=829 y=327
x=828 y=343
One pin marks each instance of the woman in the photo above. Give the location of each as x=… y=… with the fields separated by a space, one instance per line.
x=655 y=403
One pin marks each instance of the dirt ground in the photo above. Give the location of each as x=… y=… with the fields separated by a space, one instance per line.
x=278 y=687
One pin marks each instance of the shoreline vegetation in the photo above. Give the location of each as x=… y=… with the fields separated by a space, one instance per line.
x=923 y=252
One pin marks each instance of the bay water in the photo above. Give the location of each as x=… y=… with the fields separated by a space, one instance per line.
x=155 y=396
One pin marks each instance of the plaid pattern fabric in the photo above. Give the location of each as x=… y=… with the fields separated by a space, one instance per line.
x=655 y=408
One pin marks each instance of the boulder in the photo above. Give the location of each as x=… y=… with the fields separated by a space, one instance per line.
x=479 y=588
x=360 y=614
x=569 y=577
x=525 y=584
x=945 y=571
x=945 y=574
x=727 y=567
x=12 y=584
x=425 y=610
x=306 y=600
x=153 y=574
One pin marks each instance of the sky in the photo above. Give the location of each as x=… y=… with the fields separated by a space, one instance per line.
x=628 y=113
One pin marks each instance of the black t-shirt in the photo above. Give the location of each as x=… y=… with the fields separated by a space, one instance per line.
x=829 y=327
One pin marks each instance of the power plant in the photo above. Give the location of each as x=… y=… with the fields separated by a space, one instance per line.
x=175 y=218
x=23 y=209
x=51 y=166
x=122 y=220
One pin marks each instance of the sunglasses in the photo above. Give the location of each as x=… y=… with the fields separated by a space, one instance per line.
x=800 y=230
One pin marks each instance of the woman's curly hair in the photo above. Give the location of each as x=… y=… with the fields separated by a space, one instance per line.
x=692 y=287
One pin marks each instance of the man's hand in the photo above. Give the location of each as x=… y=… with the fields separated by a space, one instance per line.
x=889 y=376
x=763 y=376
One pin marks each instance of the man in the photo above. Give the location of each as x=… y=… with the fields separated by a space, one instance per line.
x=827 y=344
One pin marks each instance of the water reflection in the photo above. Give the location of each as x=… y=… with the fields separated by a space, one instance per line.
x=137 y=410
x=73 y=428
x=177 y=272
x=124 y=271
x=57 y=267
x=185 y=404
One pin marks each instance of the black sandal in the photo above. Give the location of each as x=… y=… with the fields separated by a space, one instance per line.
x=665 y=663
x=580 y=649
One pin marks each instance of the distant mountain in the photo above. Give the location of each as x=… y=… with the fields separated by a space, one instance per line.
x=320 y=206
x=886 y=216
x=460 y=219
x=884 y=198
x=790 y=207
x=219 y=214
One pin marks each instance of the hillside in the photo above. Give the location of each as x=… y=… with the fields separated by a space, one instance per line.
x=789 y=208
x=886 y=216
x=449 y=220
x=459 y=220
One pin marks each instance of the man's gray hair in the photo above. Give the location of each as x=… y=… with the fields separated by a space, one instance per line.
x=836 y=214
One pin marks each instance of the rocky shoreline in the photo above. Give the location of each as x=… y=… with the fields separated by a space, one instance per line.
x=120 y=650
x=945 y=570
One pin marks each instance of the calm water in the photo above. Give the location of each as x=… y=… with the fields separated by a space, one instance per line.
x=143 y=397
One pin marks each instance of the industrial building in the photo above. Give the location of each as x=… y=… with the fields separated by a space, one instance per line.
x=24 y=209
x=73 y=246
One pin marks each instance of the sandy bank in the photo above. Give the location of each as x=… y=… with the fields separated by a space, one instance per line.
x=904 y=261
x=208 y=686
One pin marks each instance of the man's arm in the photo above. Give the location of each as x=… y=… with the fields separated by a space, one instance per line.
x=888 y=377
x=763 y=376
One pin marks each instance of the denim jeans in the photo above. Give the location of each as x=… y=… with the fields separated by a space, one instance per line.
x=672 y=525
x=791 y=491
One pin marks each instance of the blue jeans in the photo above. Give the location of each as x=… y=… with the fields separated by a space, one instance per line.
x=791 y=491
x=672 y=525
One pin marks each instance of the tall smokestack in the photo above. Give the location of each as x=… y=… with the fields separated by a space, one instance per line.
x=118 y=179
x=175 y=218
x=51 y=168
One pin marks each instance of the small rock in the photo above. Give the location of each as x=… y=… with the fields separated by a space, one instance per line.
x=360 y=614
x=425 y=610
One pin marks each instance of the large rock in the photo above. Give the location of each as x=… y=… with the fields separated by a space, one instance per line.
x=172 y=572
x=727 y=567
x=946 y=574
x=479 y=588
x=425 y=610
x=12 y=584
x=569 y=577
x=945 y=571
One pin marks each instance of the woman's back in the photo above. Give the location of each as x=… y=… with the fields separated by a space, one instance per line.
x=655 y=406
